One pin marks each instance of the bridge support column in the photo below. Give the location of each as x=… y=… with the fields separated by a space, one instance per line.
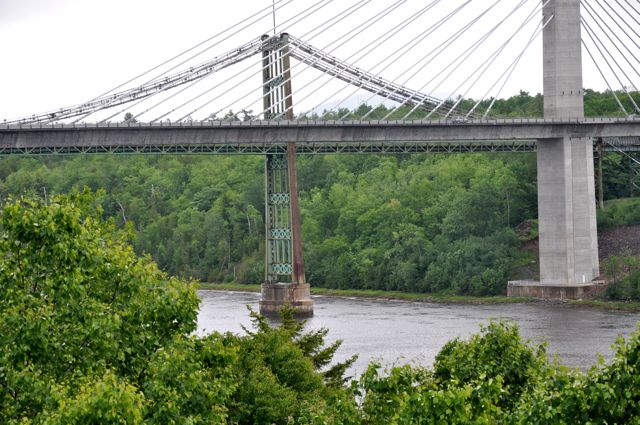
x=285 y=282
x=566 y=186
x=567 y=212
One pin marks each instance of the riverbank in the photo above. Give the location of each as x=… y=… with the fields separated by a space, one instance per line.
x=434 y=298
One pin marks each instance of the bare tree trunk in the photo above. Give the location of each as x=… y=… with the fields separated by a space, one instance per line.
x=124 y=217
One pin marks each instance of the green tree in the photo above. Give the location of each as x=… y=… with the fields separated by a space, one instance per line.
x=77 y=304
x=283 y=376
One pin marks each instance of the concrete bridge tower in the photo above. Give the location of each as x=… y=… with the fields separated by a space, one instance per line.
x=566 y=187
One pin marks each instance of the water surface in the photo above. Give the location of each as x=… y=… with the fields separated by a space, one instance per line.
x=403 y=331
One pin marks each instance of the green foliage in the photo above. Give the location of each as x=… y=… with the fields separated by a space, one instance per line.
x=408 y=395
x=624 y=275
x=190 y=381
x=107 y=401
x=368 y=221
x=418 y=224
x=476 y=266
x=83 y=320
x=280 y=376
x=619 y=213
x=92 y=334
x=495 y=377
x=480 y=381
x=599 y=104
x=608 y=393
x=497 y=354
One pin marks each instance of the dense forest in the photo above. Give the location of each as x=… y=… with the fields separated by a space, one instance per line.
x=92 y=334
x=404 y=222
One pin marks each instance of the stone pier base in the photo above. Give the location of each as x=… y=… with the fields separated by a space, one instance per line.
x=531 y=289
x=277 y=295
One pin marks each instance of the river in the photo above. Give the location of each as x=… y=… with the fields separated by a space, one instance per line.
x=402 y=331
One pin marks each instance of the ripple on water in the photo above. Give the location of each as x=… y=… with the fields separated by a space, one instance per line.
x=409 y=332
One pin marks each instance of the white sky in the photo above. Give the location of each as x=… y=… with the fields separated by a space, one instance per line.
x=57 y=53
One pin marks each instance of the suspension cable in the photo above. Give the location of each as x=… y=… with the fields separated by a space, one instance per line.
x=486 y=65
x=438 y=50
x=376 y=18
x=514 y=64
x=426 y=34
x=318 y=55
x=308 y=12
x=492 y=60
x=428 y=31
x=388 y=36
x=604 y=78
x=591 y=36
x=495 y=56
x=474 y=45
x=617 y=22
x=621 y=151
x=598 y=21
x=363 y=2
x=348 y=12
x=371 y=68
x=628 y=13
x=497 y=52
x=174 y=67
x=52 y=115
x=634 y=9
x=337 y=63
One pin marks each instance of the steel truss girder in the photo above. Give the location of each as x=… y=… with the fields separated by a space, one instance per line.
x=308 y=148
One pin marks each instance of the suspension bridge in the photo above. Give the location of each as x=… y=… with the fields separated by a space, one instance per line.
x=169 y=112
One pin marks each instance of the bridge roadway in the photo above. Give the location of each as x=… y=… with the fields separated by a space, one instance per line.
x=263 y=137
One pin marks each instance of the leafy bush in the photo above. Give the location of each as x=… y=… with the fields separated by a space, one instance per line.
x=498 y=354
x=495 y=377
x=618 y=213
x=482 y=380
x=280 y=374
x=608 y=393
x=624 y=272
x=90 y=333
x=75 y=301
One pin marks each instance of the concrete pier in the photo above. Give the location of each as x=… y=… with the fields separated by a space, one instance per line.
x=277 y=295
x=567 y=212
x=566 y=186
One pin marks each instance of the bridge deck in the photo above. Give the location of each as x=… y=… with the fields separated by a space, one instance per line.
x=261 y=137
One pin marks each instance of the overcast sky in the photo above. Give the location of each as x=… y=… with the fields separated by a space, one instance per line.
x=58 y=53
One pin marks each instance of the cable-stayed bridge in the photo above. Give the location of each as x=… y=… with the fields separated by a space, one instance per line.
x=170 y=112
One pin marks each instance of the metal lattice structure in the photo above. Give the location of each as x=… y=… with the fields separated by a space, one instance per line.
x=278 y=219
x=283 y=262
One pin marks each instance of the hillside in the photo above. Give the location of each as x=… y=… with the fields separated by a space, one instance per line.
x=618 y=237
x=621 y=241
